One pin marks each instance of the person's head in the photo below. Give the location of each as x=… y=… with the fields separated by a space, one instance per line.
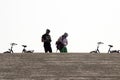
x=47 y=31
x=65 y=35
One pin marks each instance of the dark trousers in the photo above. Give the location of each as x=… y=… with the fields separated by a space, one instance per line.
x=48 y=49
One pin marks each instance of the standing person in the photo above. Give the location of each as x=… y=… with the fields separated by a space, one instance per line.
x=62 y=42
x=46 y=39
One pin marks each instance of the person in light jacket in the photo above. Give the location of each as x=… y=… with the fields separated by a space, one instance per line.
x=62 y=42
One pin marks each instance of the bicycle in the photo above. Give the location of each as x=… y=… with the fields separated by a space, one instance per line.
x=112 y=51
x=11 y=49
x=97 y=50
x=26 y=51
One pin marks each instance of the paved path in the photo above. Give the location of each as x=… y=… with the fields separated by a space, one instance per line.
x=57 y=66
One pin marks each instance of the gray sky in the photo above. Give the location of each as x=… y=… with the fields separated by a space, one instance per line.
x=86 y=21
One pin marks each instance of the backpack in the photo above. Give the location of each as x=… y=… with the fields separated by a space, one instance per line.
x=59 y=45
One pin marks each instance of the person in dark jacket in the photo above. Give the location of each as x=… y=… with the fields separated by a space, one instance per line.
x=46 y=39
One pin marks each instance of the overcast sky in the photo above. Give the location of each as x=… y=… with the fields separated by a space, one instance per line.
x=86 y=22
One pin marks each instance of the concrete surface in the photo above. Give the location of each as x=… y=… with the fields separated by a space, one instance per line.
x=59 y=66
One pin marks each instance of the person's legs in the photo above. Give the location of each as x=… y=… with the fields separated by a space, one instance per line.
x=45 y=49
x=50 y=49
x=64 y=50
